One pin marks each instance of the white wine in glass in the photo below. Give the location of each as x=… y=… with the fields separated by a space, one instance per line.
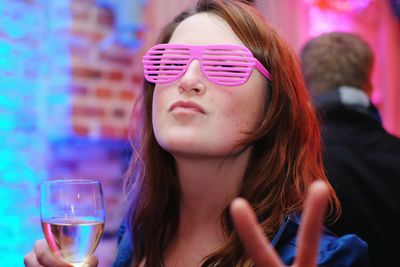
x=73 y=217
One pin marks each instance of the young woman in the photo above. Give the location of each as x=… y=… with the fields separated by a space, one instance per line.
x=226 y=114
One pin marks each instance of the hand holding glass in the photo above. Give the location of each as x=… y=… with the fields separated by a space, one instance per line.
x=73 y=216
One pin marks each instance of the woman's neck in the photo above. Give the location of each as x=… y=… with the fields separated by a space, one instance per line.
x=208 y=185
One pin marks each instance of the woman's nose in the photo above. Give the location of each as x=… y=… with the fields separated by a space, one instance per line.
x=193 y=79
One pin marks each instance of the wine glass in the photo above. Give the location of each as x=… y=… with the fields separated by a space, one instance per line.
x=72 y=216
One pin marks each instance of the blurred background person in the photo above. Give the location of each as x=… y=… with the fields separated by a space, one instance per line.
x=362 y=159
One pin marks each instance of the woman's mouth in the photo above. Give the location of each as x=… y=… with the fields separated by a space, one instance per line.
x=186 y=106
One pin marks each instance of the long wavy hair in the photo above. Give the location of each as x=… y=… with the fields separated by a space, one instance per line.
x=285 y=159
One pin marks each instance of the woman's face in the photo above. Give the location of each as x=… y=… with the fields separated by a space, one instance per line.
x=193 y=117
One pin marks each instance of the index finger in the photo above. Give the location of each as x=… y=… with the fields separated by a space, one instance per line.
x=311 y=224
x=251 y=234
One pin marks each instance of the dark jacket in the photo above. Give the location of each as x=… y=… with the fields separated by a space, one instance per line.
x=345 y=251
x=362 y=163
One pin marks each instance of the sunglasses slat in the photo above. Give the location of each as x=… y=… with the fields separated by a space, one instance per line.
x=227 y=51
x=233 y=65
x=227 y=79
x=224 y=67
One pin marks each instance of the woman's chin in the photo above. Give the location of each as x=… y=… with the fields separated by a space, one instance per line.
x=198 y=151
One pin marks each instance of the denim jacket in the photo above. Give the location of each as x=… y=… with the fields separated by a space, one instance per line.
x=344 y=251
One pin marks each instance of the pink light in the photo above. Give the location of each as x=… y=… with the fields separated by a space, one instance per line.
x=340 y=5
x=322 y=21
x=351 y=5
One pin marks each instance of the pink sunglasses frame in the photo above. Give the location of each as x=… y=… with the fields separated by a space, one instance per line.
x=239 y=57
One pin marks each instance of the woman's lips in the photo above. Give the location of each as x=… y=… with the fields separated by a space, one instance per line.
x=186 y=105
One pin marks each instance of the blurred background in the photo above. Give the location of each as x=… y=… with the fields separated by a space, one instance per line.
x=70 y=72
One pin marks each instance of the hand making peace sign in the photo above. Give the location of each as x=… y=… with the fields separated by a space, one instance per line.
x=259 y=248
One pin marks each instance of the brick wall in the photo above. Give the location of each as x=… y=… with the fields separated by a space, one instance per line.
x=104 y=77
x=103 y=82
x=67 y=90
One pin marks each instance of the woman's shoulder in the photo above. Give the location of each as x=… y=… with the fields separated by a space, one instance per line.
x=344 y=251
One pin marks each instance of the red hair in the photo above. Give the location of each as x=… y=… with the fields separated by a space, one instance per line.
x=285 y=159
